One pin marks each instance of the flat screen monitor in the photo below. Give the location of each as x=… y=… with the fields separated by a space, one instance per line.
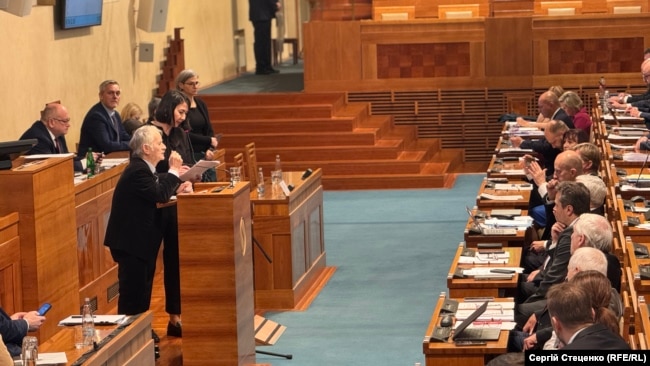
x=10 y=150
x=80 y=13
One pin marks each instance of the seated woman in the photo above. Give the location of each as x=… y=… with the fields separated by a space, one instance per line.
x=573 y=106
x=131 y=116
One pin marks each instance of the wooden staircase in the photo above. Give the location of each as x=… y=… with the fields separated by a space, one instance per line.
x=355 y=149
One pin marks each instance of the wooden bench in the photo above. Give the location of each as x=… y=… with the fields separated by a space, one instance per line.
x=276 y=51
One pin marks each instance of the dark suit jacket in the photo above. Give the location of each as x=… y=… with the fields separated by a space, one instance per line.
x=560 y=115
x=99 y=133
x=261 y=9
x=639 y=97
x=597 y=337
x=45 y=144
x=12 y=332
x=543 y=147
x=134 y=223
x=201 y=133
x=556 y=268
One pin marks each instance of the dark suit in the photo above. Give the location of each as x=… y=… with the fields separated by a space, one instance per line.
x=560 y=115
x=597 y=337
x=544 y=148
x=100 y=133
x=260 y=13
x=45 y=143
x=134 y=231
x=12 y=332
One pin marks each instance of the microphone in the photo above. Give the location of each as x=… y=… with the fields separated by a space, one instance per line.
x=306 y=174
x=638 y=179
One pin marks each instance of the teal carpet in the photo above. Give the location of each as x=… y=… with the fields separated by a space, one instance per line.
x=392 y=250
x=290 y=79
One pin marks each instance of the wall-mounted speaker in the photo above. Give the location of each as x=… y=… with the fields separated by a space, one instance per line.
x=17 y=7
x=152 y=15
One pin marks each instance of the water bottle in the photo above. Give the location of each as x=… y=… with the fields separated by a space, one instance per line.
x=88 y=323
x=90 y=162
x=278 y=164
x=260 y=182
x=606 y=102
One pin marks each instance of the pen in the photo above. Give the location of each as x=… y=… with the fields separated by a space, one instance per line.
x=79 y=316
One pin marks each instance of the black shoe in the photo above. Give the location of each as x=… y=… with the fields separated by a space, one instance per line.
x=267 y=71
x=155 y=337
x=156 y=351
x=174 y=330
x=274 y=71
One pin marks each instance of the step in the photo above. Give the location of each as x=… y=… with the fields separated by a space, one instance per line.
x=383 y=149
x=272 y=112
x=238 y=141
x=274 y=99
x=315 y=125
x=358 y=167
x=385 y=181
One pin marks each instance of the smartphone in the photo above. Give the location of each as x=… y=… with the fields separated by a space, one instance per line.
x=44 y=309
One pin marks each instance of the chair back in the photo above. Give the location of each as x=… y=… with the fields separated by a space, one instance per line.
x=239 y=161
x=251 y=163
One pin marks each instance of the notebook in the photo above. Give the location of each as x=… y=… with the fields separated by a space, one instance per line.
x=475 y=334
x=480 y=229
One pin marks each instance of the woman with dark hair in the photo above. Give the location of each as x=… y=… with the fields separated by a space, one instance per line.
x=574 y=137
x=170 y=116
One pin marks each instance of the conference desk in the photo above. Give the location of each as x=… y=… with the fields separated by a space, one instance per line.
x=290 y=231
x=631 y=230
x=469 y=287
x=505 y=167
x=523 y=197
x=473 y=239
x=449 y=354
x=132 y=346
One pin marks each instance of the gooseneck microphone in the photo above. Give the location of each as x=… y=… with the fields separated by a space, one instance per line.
x=638 y=179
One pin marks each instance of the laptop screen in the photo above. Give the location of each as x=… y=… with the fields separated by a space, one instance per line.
x=470 y=319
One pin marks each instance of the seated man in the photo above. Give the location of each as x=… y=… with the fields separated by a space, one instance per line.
x=590 y=155
x=549 y=146
x=102 y=129
x=574 y=323
x=571 y=201
x=14 y=328
x=50 y=132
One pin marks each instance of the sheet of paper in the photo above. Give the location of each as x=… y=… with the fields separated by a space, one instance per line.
x=518 y=221
x=45 y=156
x=503 y=325
x=491 y=314
x=109 y=163
x=632 y=156
x=486 y=270
x=493 y=197
x=513 y=187
x=476 y=260
x=615 y=137
x=473 y=305
x=99 y=319
x=512 y=171
x=52 y=358
x=627 y=187
x=622 y=147
x=514 y=149
x=198 y=169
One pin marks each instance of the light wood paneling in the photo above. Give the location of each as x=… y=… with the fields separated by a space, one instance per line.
x=11 y=297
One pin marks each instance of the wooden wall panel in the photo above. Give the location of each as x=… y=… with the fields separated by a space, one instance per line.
x=507 y=55
x=595 y=56
x=423 y=60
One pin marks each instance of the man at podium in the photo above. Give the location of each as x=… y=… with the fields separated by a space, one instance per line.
x=134 y=233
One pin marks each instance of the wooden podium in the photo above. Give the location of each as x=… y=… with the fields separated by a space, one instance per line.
x=43 y=195
x=290 y=230
x=216 y=265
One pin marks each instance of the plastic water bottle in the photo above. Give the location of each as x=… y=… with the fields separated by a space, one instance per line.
x=260 y=182
x=88 y=323
x=278 y=164
x=606 y=102
x=90 y=162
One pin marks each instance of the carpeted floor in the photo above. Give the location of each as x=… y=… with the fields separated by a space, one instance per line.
x=392 y=250
x=290 y=79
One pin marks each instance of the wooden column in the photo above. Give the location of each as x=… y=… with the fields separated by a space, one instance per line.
x=43 y=196
x=216 y=275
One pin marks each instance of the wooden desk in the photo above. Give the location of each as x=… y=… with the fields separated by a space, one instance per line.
x=290 y=230
x=448 y=354
x=498 y=165
x=628 y=230
x=472 y=240
x=133 y=346
x=521 y=203
x=11 y=296
x=468 y=287
x=642 y=286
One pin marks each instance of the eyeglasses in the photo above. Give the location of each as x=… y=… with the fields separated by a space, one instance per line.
x=192 y=83
x=64 y=121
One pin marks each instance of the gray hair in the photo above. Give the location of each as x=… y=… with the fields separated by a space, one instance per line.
x=588 y=259
x=596 y=230
x=597 y=189
x=141 y=136
x=184 y=76
x=105 y=84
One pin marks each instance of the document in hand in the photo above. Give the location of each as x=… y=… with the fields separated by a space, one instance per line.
x=198 y=169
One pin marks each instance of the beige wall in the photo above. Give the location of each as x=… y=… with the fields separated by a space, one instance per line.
x=42 y=63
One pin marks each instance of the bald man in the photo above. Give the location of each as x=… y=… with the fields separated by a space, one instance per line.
x=50 y=132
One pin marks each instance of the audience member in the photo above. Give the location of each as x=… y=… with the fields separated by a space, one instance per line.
x=170 y=114
x=571 y=201
x=260 y=13
x=572 y=138
x=594 y=231
x=574 y=323
x=134 y=231
x=131 y=116
x=15 y=327
x=590 y=155
x=548 y=147
x=542 y=120
x=623 y=100
x=50 y=132
x=151 y=108
x=597 y=192
x=102 y=128
x=201 y=133
x=573 y=106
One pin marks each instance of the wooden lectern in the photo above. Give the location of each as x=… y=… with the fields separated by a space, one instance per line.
x=216 y=267
x=43 y=195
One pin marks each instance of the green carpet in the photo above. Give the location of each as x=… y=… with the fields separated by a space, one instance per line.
x=290 y=79
x=392 y=250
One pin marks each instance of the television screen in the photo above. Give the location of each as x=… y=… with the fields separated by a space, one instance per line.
x=81 y=13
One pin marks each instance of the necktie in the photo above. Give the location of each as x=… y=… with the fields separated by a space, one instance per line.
x=57 y=149
x=116 y=126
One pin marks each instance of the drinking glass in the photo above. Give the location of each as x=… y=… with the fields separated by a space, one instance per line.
x=235 y=175
x=29 y=353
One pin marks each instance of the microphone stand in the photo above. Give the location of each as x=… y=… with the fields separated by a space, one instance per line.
x=638 y=179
